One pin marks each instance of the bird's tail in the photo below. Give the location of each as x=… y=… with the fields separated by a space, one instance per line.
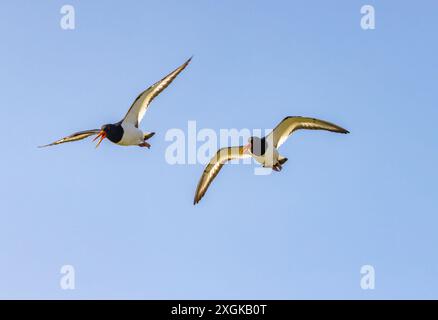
x=282 y=160
x=147 y=136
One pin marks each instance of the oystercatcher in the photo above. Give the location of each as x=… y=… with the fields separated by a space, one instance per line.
x=126 y=131
x=263 y=150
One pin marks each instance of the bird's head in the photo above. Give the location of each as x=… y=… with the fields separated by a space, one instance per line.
x=104 y=130
x=256 y=146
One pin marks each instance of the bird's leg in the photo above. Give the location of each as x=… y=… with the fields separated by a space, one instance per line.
x=146 y=137
x=145 y=144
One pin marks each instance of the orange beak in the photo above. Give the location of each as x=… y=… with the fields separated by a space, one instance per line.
x=247 y=148
x=101 y=135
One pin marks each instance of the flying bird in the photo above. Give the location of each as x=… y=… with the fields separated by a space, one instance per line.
x=263 y=150
x=126 y=131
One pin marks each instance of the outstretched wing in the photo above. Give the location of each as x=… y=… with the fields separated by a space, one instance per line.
x=290 y=124
x=214 y=166
x=73 y=137
x=138 y=109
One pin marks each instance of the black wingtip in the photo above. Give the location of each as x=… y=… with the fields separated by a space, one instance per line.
x=341 y=130
x=188 y=61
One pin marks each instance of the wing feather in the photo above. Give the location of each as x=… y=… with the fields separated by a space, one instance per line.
x=73 y=137
x=138 y=108
x=290 y=124
x=214 y=166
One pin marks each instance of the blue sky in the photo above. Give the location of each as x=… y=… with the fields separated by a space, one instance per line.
x=124 y=218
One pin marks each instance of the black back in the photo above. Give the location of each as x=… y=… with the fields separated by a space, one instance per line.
x=114 y=132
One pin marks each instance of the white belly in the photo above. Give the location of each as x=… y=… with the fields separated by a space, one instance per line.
x=269 y=159
x=132 y=136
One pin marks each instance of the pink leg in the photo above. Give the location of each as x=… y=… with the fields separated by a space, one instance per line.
x=145 y=144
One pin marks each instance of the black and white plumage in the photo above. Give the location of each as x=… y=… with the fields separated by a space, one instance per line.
x=263 y=150
x=126 y=131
